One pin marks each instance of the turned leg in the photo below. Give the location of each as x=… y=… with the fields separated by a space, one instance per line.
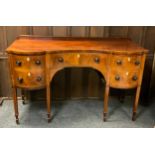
x=136 y=103
x=15 y=101
x=23 y=96
x=48 y=93
x=106 y=98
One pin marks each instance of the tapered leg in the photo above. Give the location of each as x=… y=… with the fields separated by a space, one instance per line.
x=23 y=97
x=136 y=103
x=48 y=93
x=106 y=98
x=15 y=104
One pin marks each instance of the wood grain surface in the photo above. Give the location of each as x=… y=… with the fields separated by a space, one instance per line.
x=65 y=80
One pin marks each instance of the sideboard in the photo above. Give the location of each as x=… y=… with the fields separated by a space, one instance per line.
x=34 y=61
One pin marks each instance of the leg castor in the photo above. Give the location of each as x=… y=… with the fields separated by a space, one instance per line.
x=23 y=97
x=105 y=117
x=134 y=116
x=121 y=99
x=17 y=121
x=1 y=101
x=23 y=102
x=49 y=118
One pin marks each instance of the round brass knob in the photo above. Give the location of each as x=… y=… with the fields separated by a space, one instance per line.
x=37 y=62
x=134 y=78
x=20 y=79
x=119 y=62
x=117 y=77
x=60 y=59
x=39 y=78
x=18 y=63
x=137 y=62
x=97 y=60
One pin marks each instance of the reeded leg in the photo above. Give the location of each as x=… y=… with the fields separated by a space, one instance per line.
x=106 y=98
x=15 y=104
x=48 y=92
x=23 y=97
x=136 y=103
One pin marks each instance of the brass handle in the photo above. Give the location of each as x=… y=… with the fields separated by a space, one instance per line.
x=134 y=78
x=97 y=60
x=18 y=63
x=37 y=62
x=117 y=77
x=60 y=59
x=20 y=79
x=137 y=62
x=119 y=62
x=39 y=78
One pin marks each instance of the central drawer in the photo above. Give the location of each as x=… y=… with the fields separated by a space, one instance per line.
x=63 y=60
x=95 y=60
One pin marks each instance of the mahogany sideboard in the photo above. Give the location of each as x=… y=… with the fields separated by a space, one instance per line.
x=34 y=61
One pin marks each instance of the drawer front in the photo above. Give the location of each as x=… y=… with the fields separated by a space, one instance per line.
x=29 y=79
x=93 y=59
x=124 y=71
x=28 y=62
x=63 y=60
x=78 y=59
x=29 y=71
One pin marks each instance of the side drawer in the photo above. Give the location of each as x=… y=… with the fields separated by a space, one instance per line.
x=29 y=71
x=28 y=62
x=124 y=70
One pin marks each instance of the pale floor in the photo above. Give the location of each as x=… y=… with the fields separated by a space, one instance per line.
x=78 y=114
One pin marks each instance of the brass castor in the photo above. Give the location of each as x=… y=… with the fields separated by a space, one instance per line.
x=23 y=102
x=49 y=118
x=17 y=121
x=121 y=99
x=134 y=116
x=105 y=117
x=1 y=101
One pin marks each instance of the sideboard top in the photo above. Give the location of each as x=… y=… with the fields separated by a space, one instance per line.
x=36 y=44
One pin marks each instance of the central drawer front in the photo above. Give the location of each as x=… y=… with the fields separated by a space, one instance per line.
x=95 y=60
x=29 y=71
x=63 y=60
x=125 y=70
